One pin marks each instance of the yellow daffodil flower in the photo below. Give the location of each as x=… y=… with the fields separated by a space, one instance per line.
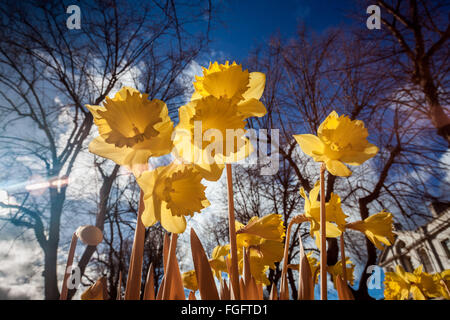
x=443 y=281
x=314 y=265
x=269 y=227
x=335 y=217
x=190 y=280
x=212 y=126
x=399 y=285
x=263 y=252
x=377 y=228
x=258 y=268
x=230 y=81
x=171 y=193
x=217 y=261
x=339 y=140
x=262 y=257
x=396 y=287
x=201 y=136
x=336 y=270
x=132 y=129
x=429 y=287
x=263 y=243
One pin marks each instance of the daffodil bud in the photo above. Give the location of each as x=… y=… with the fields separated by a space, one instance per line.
x=90 y=235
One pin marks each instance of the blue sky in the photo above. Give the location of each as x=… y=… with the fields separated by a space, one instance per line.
x=247 y=23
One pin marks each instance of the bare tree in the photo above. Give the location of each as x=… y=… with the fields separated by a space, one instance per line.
x=413 y=45
x=308 y=77
x=48 y=73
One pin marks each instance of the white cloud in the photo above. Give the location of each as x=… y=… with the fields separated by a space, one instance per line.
x=21 y=267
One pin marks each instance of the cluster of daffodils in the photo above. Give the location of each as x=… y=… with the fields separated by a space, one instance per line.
x=133 y=128
x=211 y=130
x=211 y=133
x=261 y=239
x=334 y=270
x=377 y=227
x=401 y=285
x=341 y=140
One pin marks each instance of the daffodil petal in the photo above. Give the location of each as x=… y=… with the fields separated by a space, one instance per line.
x=310 y=144
x=244 y=151
x=337 y=168
x=103 y=149
x=356 y=158
x=314 y=193
x=332 y=115
x=256 y=85
x=210 y=172
x=95 y=109
x=317 y=238
x=252 y=108
x=152 y=211
x=137 y=160
x=196 y=96
x=175 y=224
x=332 y=230
x=162 y=143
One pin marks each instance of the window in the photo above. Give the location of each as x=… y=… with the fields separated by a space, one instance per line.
x=425 y=260
x=406 y=263
x=446 y=245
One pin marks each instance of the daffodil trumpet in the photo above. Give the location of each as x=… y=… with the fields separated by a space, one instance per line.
x=68 y=270
x=131 y=129
x=323 y=236
x=377 y=228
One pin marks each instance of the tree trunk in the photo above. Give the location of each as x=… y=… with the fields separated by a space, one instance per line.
x=436 y=112
x=291 y=279
x=50 y=279
x=362 y=293
x=441 y=121
x=51 y=251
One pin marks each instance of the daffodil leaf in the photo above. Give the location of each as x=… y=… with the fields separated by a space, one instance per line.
x=206 y=284
x=173 y=287
x=149 y=291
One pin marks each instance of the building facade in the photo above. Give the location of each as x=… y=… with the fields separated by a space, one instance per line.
x=429 y=245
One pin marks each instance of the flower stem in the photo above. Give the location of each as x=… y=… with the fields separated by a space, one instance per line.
x=132 y=291
x=232 y=232
x=73 y=245
x=283 y=287
x=344 y=267
x=323 y=236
